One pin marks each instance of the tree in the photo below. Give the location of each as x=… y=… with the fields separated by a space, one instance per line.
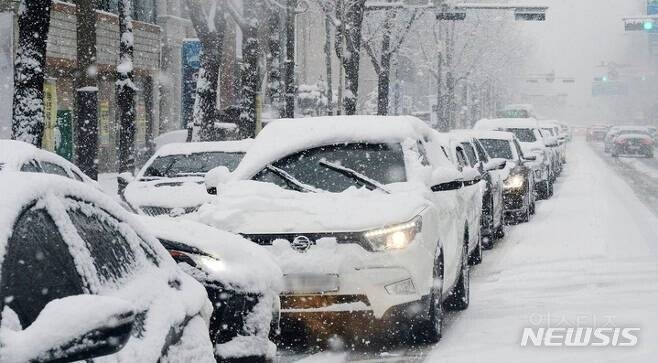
x=274 y=84
x=390 y=33
x=289 y=77
x=209 y=23
x=87 y=88
x=30 y=65
x=125 y=89
x=351 y=12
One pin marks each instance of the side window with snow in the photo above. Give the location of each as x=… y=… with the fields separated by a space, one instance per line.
x=111 y=253
x=37 y=267
x=31 y=167
x=470 y=153
x=461 y=158
x=423 y=153
x=50 y=168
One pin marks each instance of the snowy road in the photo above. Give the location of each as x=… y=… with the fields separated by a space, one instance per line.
x=589 y=256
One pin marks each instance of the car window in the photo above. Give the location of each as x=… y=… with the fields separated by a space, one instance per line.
x=193 y=164
x=482 y=154
x=423 y=153
x=55 y=169
x=76 y=176
x=31 y=167
x=498 y=148
x=519 y=151
x=38 y=266
x=470 y=153
x=461 y=158
x=111 y=253
x=524 y=135
x=383 y=163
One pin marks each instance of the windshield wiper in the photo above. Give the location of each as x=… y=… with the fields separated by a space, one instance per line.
x=291 y=180
x=354 y=175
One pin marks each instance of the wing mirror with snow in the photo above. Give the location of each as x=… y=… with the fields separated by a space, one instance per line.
x=495 y=164
x=73 y=328
x=444 y=179
x=123 y=180
x=471 y=176
x=550 y=141
x=216 y=177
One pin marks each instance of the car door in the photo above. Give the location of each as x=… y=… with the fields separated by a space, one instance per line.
x=473 y=193
x=495 y=180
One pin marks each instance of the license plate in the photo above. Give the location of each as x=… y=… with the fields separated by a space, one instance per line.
x=633 y=148
x=310 y=283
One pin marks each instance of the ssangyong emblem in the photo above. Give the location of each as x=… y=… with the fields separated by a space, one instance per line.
x=301 y=243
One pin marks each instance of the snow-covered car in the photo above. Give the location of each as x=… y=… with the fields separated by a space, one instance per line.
x=596 y=133
x=555 y=143
x=363 y=214
x=632 y=141
x=519 y=179
x=81 y=278
x=493 y=172
x=242 y=280
x=532 y=143
x=21 y=156
x=171 y=181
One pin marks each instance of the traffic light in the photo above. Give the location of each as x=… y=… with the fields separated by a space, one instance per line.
x=604 y=79
x=648 y=25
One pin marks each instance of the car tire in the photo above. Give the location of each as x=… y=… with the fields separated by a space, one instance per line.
x=475 y=258
x=500 y=232
x=459 y=298
x=551 y=189
x=533 y=207
x=430 y=330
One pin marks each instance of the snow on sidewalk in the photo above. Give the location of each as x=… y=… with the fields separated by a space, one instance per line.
x=589 y=255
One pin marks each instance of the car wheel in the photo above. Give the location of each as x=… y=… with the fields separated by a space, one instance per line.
x=476 y=256
x=500 y=232
x=487 y=241
x=460 y=295
x=550 y=188
x=430 y=330
x=525 y=217
x=533 y=206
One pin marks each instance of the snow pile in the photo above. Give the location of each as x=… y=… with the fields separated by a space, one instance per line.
x=244 y=265
x=187 y=148
x=274 y=209
x=183 y=192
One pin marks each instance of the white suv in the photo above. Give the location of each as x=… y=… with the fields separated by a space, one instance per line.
x=363 y=214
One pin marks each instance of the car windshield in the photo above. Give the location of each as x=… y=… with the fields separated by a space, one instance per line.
x=513 y=114
x=637 y=131
x=382 y=163
x=498 y=148
x=192 y=164
x=524 y=135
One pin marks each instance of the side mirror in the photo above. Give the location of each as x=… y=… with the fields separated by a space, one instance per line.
x=446 y=179
x=73 y=328
x=215 y=177
x=529 y=158
x=496 y=164
x=123 y=180
x=551 y=141
x=471 y=176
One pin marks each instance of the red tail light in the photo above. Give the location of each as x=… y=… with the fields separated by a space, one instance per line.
x=620 y=141
x=647 y=142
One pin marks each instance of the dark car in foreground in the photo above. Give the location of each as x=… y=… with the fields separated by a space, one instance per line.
x=80 y=279
x=242 y=280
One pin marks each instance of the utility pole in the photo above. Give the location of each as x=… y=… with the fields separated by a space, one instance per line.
x=327 y=57
x=340 y=39
x=289 y=78
x=86 y=88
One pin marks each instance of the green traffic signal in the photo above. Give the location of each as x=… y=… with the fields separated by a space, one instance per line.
x=604 y=78
x=648 y=25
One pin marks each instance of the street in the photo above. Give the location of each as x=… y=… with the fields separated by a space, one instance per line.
x=589 y=256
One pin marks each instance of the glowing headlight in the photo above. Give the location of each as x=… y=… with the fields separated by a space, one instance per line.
x=394 y=237
x=514 y=182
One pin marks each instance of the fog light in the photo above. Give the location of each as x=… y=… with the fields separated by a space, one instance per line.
x=404 y=287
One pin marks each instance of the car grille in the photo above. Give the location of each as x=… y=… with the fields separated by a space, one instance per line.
x=319 y=301
x=341 y=237
x=159 y=211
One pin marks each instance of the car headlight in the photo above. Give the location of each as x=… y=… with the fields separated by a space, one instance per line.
x=514 y=182
x=205 y=263
x=394 y=237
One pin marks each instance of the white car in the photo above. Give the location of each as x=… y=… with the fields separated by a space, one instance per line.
x=171 y=181
x=21 y=156
x=363 y=214
x=533 y=143
x=81 y=278
x=493 y=172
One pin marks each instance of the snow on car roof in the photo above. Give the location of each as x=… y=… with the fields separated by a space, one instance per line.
x=186 y=148
x=14 y=153
x=284 y=137
x=506 y=123
x=488 y=134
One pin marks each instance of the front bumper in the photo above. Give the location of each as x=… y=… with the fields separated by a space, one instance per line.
x=514 y=200
x=360 y=291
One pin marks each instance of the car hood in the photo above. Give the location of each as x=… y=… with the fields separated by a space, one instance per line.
x=260 y=208
x=167 y=193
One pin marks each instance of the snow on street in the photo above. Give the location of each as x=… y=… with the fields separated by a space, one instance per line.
x=589 y=256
